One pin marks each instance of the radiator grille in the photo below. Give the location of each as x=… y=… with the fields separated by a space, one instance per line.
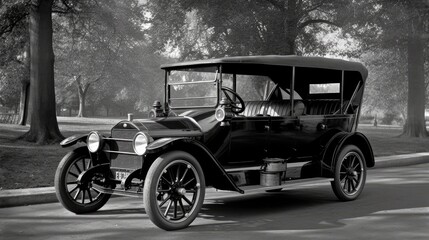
x=127 y=162
x=124 y=154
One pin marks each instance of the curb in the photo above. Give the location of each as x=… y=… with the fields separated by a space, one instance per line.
x=30 y=196
x=401 y=160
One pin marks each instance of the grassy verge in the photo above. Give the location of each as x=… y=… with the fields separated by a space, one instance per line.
x=24 y=165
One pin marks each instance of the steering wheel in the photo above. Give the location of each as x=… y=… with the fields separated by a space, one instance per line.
x=236 y=106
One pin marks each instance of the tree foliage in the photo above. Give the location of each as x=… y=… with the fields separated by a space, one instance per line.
x=99 y=46
x=104 y=50
x=387 y=81
x=399 y=25
x=210 y=28
x=90 y=47
x=13 y=43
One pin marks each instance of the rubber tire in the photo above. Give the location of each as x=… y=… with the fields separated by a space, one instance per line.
x=336 y=184
x=62 y=192
x=150 y=186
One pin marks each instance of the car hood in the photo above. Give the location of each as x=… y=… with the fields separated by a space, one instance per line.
x=181 y=126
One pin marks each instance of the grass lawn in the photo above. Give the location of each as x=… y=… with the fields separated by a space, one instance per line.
x=24 y=165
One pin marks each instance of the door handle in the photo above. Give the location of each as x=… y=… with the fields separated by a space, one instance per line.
x=321 y=126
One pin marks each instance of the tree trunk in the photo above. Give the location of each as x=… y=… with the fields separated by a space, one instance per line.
x=415 y=125
x=44 y=126
x=23 y=103
x=290 y=28
x=82 y=90
x=25 y=91
x=81 y=104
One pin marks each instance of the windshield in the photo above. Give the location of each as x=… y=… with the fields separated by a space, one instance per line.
x=250 y=87
x=193 y=87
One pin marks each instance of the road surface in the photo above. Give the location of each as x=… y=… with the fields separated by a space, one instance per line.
x=393 y=205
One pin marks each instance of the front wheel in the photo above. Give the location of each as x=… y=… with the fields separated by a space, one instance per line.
x=174 y=190
x=350 y=173
x=76 y=196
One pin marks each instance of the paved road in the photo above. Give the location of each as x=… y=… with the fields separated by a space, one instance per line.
x=394 y=205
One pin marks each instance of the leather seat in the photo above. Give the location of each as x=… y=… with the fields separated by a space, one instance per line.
x=272 y=108
x=323 y=107
x=254 y=108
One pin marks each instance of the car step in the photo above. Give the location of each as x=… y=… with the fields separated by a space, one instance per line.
x=289 y=184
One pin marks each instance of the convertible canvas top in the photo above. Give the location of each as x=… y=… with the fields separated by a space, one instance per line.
x=280 y=60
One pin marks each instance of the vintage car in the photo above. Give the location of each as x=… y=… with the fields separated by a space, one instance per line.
x=244 y=124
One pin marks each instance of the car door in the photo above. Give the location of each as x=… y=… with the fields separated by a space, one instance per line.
x=283 y=136
x=285 y=127
x=250 y=129
x=249 y=139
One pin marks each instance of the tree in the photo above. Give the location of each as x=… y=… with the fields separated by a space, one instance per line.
x=402 y=24
x=387 y=81
x=416 y=124
x=44 y=126
x=91 y=43
x=38 y=15
x=104 y=32
x=199 y=29
x=14 y=55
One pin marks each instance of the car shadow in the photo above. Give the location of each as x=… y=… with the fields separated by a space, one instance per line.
x=309 y=208
x=303 y=209
x=120 y=211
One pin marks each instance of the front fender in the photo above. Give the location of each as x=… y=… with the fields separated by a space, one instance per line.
x=160 y=144
x=214 y=173
x=70 y=141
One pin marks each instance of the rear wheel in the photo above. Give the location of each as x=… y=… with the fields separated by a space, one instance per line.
x=174 y=190
x=75 y=196
x=350 y=173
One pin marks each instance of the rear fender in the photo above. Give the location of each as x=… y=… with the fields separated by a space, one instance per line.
x=337 y=142
x=362 y=142
x=215 y=175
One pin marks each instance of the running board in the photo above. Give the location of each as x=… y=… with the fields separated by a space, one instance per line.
x=290 y=184
x=128 y=193
x=253 y=168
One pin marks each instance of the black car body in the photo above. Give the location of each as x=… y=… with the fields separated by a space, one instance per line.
x=257 y=123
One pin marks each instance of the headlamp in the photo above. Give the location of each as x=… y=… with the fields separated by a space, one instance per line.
x=140 y=143
x=94 y=142
x=220 y=114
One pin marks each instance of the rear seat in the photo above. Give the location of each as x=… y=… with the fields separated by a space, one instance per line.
x=323 y=107
x=272 y=108
x=254 y=108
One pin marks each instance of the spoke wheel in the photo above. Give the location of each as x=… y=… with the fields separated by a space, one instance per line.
x=350 y=174
x=76 y=196
x=174 y=190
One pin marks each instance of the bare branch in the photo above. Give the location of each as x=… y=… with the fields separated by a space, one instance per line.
x=313 y=7
x=276 y=4
x=12 y=18
x=65 y=3
x=315 y=21
x=60 y=12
